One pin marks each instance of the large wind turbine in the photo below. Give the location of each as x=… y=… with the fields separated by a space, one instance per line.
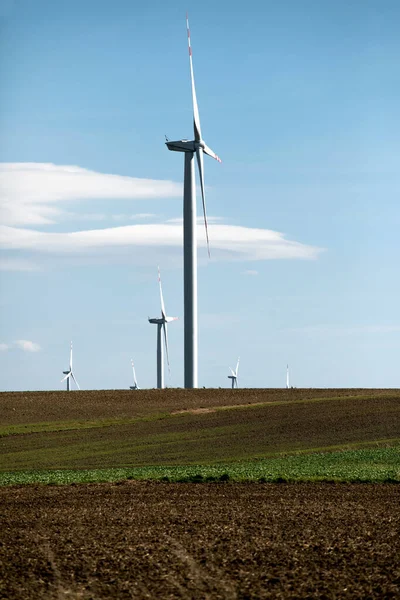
x=234 y=375
x=69 y=374
x=161 y=326
x=190 y=148
x=135 y=383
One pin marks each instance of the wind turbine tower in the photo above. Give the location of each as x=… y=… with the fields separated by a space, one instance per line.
x=190 y=148
x=287 y=377
x=135 y=383
x=69 y=374
x=161 y=327
x=234 y=375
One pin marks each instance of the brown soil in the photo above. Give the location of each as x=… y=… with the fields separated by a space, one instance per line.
x=225 y=541
x=189 y=426
x=36 y=407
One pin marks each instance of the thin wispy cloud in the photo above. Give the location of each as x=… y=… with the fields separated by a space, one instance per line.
x=104 y=216
x=142 y=216
x=228 y=242
x=251 y=272
x=27 y=345
x=30 y=193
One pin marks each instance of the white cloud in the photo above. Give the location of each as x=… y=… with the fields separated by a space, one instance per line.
x=104 y=217
x=250 y=272
x=29 y=192
x=229 y=242
x=27 y=345
x=4 y=347
x=143 y=216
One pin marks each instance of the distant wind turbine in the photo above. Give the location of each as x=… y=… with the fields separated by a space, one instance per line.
x=135 y=383
x=161 y=326
x=69 y=374
x=287 y=377
x=234 y=375
x=190 y=148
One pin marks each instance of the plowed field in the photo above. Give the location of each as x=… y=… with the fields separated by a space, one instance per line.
x=119 y=428
x=226 y=541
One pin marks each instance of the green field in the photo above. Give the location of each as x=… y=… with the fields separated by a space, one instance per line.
x=341 y=435
x=368 y=465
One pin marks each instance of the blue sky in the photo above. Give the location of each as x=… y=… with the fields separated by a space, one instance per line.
x=300 y=100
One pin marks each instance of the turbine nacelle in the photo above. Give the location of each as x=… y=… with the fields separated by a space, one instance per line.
x=181 y=146
x=157 y=321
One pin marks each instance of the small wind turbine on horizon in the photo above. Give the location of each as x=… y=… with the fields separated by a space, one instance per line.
x=190 y=148
x=161 y=327
x=234 y=375
x=69 y=374
x=135 y=383
x=287 y=377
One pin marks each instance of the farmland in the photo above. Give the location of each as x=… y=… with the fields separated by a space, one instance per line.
x=124 y=429
x=190 y=505
x=228 y=541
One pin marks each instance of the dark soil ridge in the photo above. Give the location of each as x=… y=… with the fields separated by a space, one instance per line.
x=36 y=407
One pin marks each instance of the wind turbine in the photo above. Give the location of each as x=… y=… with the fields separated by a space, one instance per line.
x=135 y=383
x=287 y=377
x=190 y=148
x=161 y=326
x=69 y=374
x=234 y=375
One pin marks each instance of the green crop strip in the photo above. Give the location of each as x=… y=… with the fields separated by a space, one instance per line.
x=366 y=465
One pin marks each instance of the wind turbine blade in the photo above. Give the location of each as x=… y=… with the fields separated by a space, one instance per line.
x=233 y=374
x=66 y=377
x=210 y=152
x=196 y=117
x=76 y=383
x=199 y=156
x=161 y=295
x=166 y=343
x=134 y=374
x=237 y=367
